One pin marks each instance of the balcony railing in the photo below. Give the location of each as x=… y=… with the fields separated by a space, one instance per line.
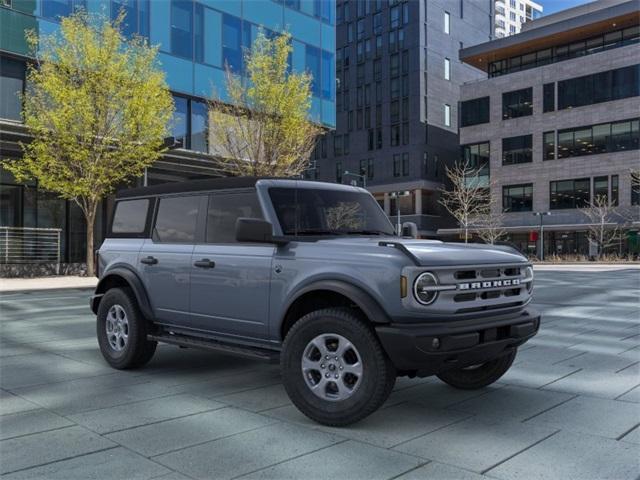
x=30 y=245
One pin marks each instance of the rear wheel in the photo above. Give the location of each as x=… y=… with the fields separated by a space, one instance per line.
x=122 y=330
x=333 y=367
x=478 y=376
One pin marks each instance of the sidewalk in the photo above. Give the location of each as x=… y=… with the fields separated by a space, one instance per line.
x=46 y=283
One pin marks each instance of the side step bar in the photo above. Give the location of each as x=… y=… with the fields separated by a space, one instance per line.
x=255 y=353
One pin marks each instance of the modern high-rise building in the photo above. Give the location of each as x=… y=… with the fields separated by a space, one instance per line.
x=397 y=94
x=510 y=15
x=196 y=39
x=555 y=123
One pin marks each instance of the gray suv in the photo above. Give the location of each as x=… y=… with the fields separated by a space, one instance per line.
x=311 y=275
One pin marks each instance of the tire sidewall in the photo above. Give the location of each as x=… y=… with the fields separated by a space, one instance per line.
x=309 y=327
x=117 y=296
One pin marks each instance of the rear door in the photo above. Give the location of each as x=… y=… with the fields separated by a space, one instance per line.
x=230 y=281
x=165 y=259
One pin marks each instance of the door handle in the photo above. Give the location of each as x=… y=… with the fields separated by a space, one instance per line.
x=204 y=263
x=149 y=260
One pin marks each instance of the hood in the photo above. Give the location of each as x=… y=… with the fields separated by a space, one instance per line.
x=436 y=254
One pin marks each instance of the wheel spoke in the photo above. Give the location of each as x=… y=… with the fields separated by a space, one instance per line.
x=354 y=369
x=308 y=364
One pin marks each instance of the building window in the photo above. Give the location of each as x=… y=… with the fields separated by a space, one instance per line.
x=370 y=168
x=396 y=165
x=447 y=115
x=615 y=190
x=136 y=20
x=370 y=138
x=395 y=135
x=599 y=43
x=516 y=150
x=447 y=69
x=447 y=23
x=337 y=145
x=12 y=80
x=549 y=146
x=570 y=193
x=378 y=139
x=517 y=198
x=405 y=133
x=394 y=65
x=180 y=122
x=476 y=156
x=518 y=103
x=602 y=138
x=198 y=128
x=601 y=188
x=474 y=112
x=53 y=10
x=635 y=189
x=345 y=144
x=405 y=164
x=312 y=61
x=338 y=172
x=600 y=87
x=549 y=97
x=182 y=28
x=377 y=24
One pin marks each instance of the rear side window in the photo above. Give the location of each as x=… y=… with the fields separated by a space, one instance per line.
x=176 y=219
x=130 y=216
x=224 y=210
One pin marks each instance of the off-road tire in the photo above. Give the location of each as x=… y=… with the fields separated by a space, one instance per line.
x=138 y=350
x=480 y=376
x=378 y=377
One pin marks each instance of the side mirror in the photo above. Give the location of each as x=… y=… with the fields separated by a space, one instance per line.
x=256 y=230
x=409 y=229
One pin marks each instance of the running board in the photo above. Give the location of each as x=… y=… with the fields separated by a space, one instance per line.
x=255 y=353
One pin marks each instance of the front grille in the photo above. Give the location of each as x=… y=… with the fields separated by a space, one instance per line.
x=482 y=288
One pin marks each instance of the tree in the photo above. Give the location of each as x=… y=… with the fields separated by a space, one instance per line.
x=468 y=197
x=490 y=224
x=263 y=127
x=604 y=228
x=98 y=109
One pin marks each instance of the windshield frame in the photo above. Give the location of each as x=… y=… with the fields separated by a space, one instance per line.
x=382 y=224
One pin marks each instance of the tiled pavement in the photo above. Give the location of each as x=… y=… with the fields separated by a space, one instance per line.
x=569 y=408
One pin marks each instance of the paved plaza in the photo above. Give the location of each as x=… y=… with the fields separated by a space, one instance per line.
x=568 y=409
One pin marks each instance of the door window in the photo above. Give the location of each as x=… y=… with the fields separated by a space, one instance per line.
x=176 y=219
x=224 y=210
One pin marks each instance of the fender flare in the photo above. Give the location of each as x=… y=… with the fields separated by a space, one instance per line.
x=371 y=308
x=132 y=280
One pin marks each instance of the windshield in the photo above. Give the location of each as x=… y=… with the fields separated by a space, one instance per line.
x=307 y=211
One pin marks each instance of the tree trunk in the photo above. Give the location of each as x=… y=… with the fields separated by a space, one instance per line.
x=90 y=217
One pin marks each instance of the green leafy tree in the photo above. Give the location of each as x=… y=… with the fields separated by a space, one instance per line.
x=262 y=128
x=98 y=108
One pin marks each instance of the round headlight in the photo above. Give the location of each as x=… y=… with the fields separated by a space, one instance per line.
x=529 y=275
x=424 y=288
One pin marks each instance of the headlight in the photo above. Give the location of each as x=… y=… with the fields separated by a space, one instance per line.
x=529 y=275
x=424 y=288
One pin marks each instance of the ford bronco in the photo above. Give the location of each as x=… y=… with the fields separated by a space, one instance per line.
x=311 y=275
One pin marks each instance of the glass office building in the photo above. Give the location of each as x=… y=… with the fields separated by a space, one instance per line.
x=197 y=39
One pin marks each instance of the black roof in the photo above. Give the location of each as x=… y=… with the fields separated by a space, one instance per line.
x=190 y=186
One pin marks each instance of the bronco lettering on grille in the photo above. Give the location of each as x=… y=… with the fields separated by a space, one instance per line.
x=488 y=284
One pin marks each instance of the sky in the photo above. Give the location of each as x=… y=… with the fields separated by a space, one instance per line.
x=553 y=6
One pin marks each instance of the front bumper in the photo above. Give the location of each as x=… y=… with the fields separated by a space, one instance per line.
x=426 y=349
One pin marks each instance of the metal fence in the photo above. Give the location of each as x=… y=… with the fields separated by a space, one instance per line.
x=30 y=245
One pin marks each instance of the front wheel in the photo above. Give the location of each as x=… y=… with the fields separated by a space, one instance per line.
x=334 y=368
x=122 y=330
x=479 y=376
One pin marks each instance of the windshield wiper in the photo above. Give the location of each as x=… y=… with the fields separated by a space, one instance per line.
x=365 y=232
x=311 y=231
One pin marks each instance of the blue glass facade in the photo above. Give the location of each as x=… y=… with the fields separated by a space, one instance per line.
x=198 y=38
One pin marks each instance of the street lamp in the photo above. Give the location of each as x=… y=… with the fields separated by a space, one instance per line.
x=361 y=177
x=541 y=215
x=397 y=196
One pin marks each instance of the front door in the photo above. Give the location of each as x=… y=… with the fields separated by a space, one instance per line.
x=230 y=281
x=165 y=259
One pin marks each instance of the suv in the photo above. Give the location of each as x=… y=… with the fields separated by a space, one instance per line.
x=311 y=275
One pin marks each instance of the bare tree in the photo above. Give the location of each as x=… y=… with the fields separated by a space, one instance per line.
x=605 y=223
x=490 y=224
x=469 y=196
